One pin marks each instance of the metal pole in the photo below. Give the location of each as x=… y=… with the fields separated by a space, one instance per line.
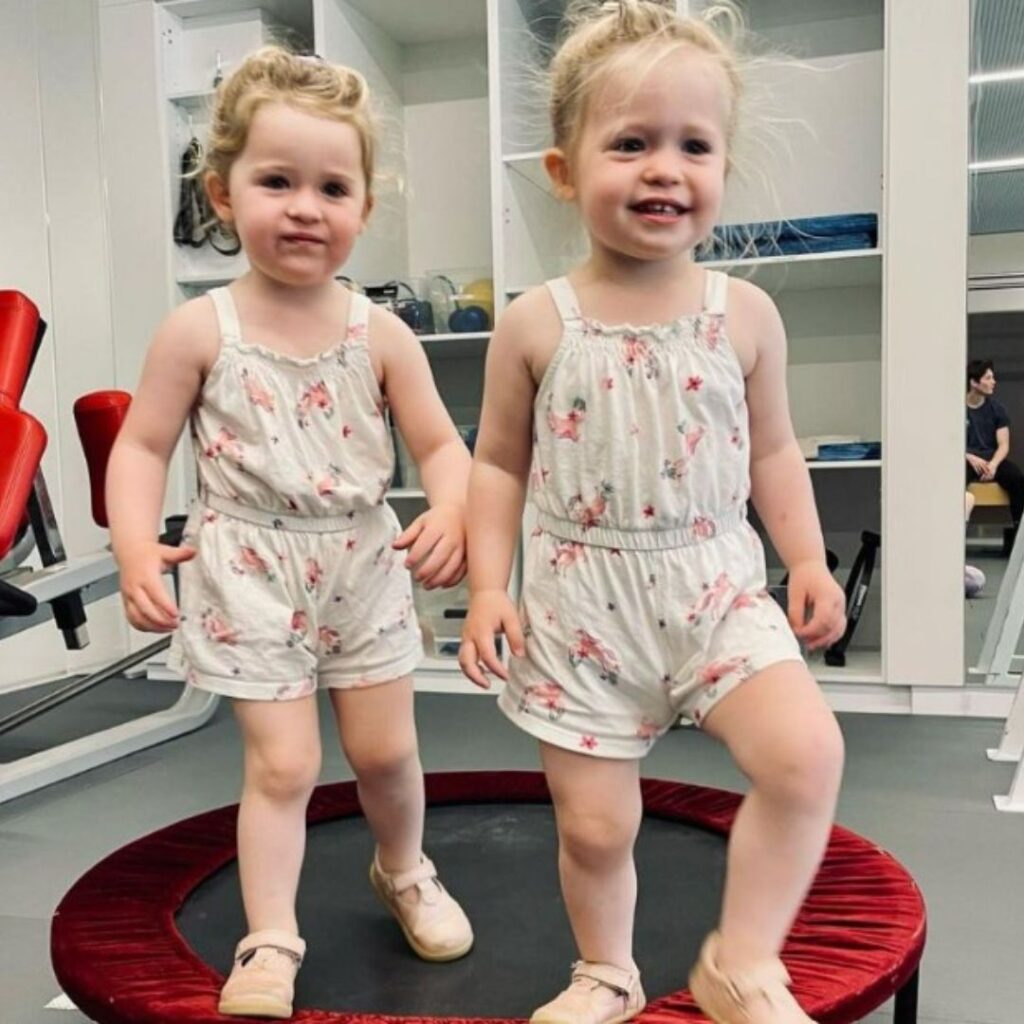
x=79 y=686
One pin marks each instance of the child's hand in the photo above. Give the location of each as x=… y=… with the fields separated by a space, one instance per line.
x=147 y=601
x=490 y=612
x=437 y=546
x=812 y=586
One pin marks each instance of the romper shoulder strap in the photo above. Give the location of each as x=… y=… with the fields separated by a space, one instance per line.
x=716 y=290
x=227 y=314
x=564 y=298
x=358 y=317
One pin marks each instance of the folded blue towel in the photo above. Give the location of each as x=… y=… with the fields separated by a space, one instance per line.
x=850 y=451
x=804 y=235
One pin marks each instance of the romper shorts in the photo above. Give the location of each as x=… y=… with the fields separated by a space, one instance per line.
x=621 y=641
x=274 y=606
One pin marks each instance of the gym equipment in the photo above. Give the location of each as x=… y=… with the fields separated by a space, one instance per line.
x=463 y=317
x=155 y=953
x=974 y=581
x=64 y=586
x=996 y=665
x=856 y=590
x=857 y=585
x=416 y=313
x=195 y=223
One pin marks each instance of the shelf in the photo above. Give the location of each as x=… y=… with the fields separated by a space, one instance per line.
x=531 y=166
x=844 y=464
x=204 y=280
x=455 y=346
x=455 y=336
x=406 y=494
x=862 y=666
x=847 y=268
x=855 y=268
x=193 y=102
x=296 y=16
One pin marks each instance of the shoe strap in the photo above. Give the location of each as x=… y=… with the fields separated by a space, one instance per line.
x=404 y=880
x=276 y=939
x=617 y=979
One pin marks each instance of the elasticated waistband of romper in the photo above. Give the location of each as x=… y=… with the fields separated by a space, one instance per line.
x=697 y=532
x=281 y=520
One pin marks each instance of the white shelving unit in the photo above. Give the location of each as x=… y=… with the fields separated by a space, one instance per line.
x=466 y=132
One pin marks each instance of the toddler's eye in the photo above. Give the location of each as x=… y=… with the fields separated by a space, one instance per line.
x=696 y=147
x=335 y=190
x=630 y=144
x=275 y=181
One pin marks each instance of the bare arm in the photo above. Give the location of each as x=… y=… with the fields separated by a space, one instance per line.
x=497 y=491
x=497 y=486
x=780 y=482
x=419 y=413
x=137 y=471
x=436 y=540
x=1002 y=450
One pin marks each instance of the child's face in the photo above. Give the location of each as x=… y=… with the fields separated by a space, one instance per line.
x=296 y=194
x=649 y=167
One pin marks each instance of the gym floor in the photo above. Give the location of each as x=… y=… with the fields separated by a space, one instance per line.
x=920 y=787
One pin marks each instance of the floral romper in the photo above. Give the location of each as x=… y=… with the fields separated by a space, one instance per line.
x=644 y=585
x=295 y=584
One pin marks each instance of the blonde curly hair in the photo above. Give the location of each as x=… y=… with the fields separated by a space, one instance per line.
x=273 y=74
x=635 y=34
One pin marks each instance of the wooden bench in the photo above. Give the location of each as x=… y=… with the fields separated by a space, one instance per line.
x=991 y=503
x=989 y=495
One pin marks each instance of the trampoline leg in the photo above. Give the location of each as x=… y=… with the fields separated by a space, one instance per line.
x=905 y=1010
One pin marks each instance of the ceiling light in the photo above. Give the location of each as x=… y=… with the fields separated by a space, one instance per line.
x=1008 y=75
x=1006 y=164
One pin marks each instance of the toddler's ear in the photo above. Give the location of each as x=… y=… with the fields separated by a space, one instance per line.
x=217 y=193
x=556 y=163
x=367 y=210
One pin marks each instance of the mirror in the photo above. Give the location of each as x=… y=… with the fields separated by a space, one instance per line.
x=994 y=381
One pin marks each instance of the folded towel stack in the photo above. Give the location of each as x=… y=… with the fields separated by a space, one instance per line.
x=793 y=237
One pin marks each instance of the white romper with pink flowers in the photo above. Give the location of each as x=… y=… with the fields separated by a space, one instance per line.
x=644 y=586
x=295 y=584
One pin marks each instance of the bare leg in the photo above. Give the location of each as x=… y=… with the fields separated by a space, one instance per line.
x=785 y=739
x=378 y=734
x=282 y=764
x=597 y=810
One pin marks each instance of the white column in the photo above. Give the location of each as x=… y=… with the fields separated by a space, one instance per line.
x=924 y=350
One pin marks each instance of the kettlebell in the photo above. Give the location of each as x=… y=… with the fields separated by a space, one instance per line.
x=467 y=319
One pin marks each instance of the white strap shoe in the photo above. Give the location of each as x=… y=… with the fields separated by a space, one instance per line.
x=433 y=923
x=759 y=995
x=262 y=981
x=598 y=994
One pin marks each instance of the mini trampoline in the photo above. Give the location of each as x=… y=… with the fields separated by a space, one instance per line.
x=145 y=936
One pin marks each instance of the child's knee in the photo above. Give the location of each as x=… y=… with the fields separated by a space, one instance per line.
x=806 y=772
x=384 y=762
x=596 y=836
x=283 y=775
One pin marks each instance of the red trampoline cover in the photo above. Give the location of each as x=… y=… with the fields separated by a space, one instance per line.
x=118 y=955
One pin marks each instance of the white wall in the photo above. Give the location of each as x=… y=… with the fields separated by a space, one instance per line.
x=55 y=250
x=347 y=37
x=805 y=120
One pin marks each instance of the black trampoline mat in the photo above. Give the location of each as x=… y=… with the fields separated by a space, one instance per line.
x=500 y=861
